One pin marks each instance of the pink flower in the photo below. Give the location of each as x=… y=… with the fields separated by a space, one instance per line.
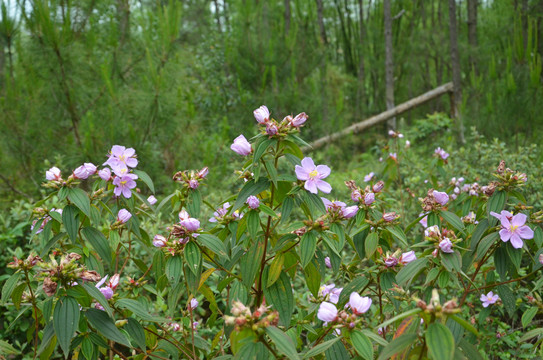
x=349 y=211
x=432 y=231
x=123 y=184
x=84 y=171
x=393 y=156
x=424 y=221
x=446 y=246
x=327 y=312
x=391 y=261
x=110 y=287
x=191 y=224
x=503 y=215
x=331 y=291
x=358 y=304
x=378 y=186
x=193 y=304
x=313 y=175
x=368 y=177
x=151 y=200
x=53 y=174
x=123 y=216
x=241 y=146
x=121 y=158
x=407 y=257
x=193 y=184
x=329 y=264
x=253 y=202
x=441 y=197
x=159 y=241
x=407 y=144
x=389 y=217
x=369 y=198
x=262 y=114
x=489 y=298
x=299 y=120
x=271 y=129
x=356 y=196
x=220 y=213
x=441 y=153
x=540 y=259
x=515 y=230
x=105 y=174
x=203 y=173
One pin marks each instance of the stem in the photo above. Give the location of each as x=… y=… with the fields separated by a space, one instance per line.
x=487 y=255
x=171 y=342
x=35 y=308
x=190 y=310
x=503 y=282
x=263 y=341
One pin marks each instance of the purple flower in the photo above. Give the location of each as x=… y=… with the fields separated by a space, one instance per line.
x=503 y=215
x=329 y=264
x=121 y=158
x=313 y=175
x=105 y=174
x=489 y=298
x=441 y=153
x=356 y=196
x=220 y=213
x=432 y=231
x=368 y=177
x=203 y=173
x=358 y=304
x=159 y=241
x=424 y=221
x=391 y=261
x=393 y=156
x=91 y=168
x=369 y=198
x=262 y=114
x=327 y=312
x=389 y=217
x=191 y=224
x=253 y=202
x=540 y=259
x=349 y=211
x=123 y=216
x=331 y=291
x=407 y=257
x=441 y=197
x=299 y=120
x=107 y=292
x=123 y=184
x=81 y=173
x=193 y=184
x=193 y=304
x=241 y=146
x=515 y=230
x=151 y=200
x=446 y=245
x=53 y=174
x=271 y=129
x=378 y=186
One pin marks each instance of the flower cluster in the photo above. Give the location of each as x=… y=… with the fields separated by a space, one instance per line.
x=399 y=258
x=434 y=200
x=258 y=320
x=367 y=195
x=191 y=179
x=181 y=233
x=221 y=214
x=121 y=160
x=444 y=239
x=328 y=312
x=338 y=210
x=442 y=154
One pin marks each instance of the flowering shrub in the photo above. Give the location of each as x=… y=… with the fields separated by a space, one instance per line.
x=277 y=271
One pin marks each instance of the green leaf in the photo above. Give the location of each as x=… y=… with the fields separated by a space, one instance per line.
x=440 y=342
x=7 y=349
x=433 y=219
x=136 y=332
x=469 y=350
x=478 y=233
x=81 y=200
x=485 y=244
x=250 y=263
x=174 y=269
x=275 y=269
x=356 y=285
x=283 y=342
x=308 y=245
x=262 y=147
x=337 y=352
x=48 y=334
x=531 y=334
x=465 y=324
x=137 y=308
x=65 y=322
x=312 y=278
x=410 y=271
x=106 y=326
x=213 y=243
x=9 y=286
x=70 y=219
x=452 y=219
x=279 y=295
x=495 y=204
x=528 y=316
x=452 y=261
x=253 y=222
x=320 y=348
x=398 y=233
x=98 y=242
x=194 y=203
x=501 y=261
x=143 y=176
x=397 y=345
x=371 y=243
x=193 y=256
x=362 y=345
x=286 y=208
x=508 y=298
x=250 y=188
x=399 y=317
x=96 y=294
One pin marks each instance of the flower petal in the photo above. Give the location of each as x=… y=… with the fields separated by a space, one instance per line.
x=308 y=164
x=301 y=173
x=505 y=234
x=324 y=186
x=519 y=220
x=516 y=241
x=323 y=171
x=525 y=232
x=311 y=186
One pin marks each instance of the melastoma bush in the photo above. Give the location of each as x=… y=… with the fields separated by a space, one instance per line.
x=282 y=269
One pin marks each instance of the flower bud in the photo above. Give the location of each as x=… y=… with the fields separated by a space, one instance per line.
x=391 y=261
x=203 y=173
x=253 y=202
x=271 y=129
x=441 y=197
x=159 y=241
x=151 y=200
x=53 y=174
x=349 y=211
x=123 y=216
x=241 y=146
x=193 y=304
x=105 y=174
x=407 y=257
x=378 y=186
x=262 y=114
x=329 y=264
x=81 y=173
x=299 y=120
x=446 y=246
x=391 y=216
x=193 y=184
x=369 y=198
x=327 y=312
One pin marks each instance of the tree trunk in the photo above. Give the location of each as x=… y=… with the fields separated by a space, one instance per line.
x=123 y=13
x=472 y=32
x=455 y=64
x=217 y=16
x=361 y=93
x=287 y=16
x=320 y=19
x=389 y=63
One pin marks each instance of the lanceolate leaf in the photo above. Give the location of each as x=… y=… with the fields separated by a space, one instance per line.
x=174 y=269
x=320 y=348
x=65 y=322
x=440 y=342
x=98 y=242
x=410 y=271
x=143 y=176
x=362 y=345
x=70 y=219
x=283 y=342
x=81 y=200
x=193 y=256
x=213 y=243
x=397 y=345
x=250 y=188
x=105 y=325
x=280 y=297
x=308 y=245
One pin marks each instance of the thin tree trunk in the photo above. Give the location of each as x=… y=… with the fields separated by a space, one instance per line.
x=389 y=62
x=361 y=93
x=123 y=13
x=287 y=16
x=217 y=16
x=455 y=64
x=320 y=19
x=472 y=31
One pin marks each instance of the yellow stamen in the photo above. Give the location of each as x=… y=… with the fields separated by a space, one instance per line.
x=123 y=182
x=313 y=174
